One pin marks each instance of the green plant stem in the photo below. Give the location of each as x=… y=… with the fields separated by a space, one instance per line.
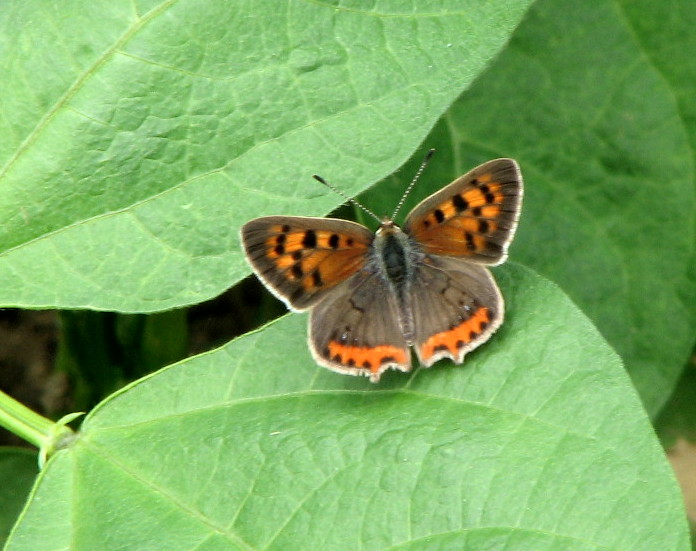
x=23 y=422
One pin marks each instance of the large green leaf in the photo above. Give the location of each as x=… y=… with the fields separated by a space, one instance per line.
x=538 y=442
x=610 y=205
x=136 y=138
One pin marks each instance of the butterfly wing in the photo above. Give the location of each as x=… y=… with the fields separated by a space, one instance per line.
x=356 y=330
x=456 y=307
x=300 y=259
x=474 y=217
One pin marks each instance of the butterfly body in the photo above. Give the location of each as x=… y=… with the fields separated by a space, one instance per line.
x=395 y=254
x=395 y=258
x=374 y=295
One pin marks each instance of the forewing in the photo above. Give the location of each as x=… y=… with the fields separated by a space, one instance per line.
x=456 y=307
x=356 y=329
x=474 y=217
x=300 y=259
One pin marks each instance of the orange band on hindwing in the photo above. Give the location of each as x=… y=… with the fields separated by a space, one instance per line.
x=455 y=339
x=372 y=358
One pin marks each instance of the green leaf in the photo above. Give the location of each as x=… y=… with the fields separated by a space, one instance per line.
x=538 y=442
x=137 y=138
x=18 y=469
x=669 y=57
x=610 y=207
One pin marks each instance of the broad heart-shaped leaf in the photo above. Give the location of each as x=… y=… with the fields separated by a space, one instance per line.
x=136 y=138
x=537 y=442
x=610 y=205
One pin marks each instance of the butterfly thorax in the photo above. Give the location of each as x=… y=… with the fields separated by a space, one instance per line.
x=395 y=258
x=392 y=253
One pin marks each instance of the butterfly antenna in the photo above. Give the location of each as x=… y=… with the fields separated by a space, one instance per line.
x=427 y=158
x=349 y=199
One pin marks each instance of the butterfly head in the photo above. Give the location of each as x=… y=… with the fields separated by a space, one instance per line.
x=386 y=224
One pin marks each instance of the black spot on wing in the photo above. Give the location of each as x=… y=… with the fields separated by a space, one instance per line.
x=459 y=203
x=310 y=239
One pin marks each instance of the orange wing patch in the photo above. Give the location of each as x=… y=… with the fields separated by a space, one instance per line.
x=375 y=359
x=301 y=258
x=453 y=341
x=472 y=217
x=317 y=259
x=469 y=202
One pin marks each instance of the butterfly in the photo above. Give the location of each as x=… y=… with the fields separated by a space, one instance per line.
x=373 y=295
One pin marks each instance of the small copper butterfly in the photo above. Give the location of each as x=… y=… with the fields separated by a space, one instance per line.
x=374 y=295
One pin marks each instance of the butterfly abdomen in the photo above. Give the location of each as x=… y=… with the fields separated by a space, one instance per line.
x=394 y=260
